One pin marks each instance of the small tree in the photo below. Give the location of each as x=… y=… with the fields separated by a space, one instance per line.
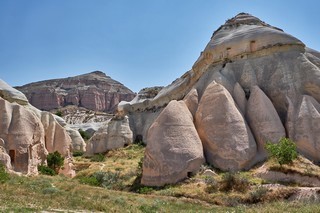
x=284 y=152
x=55 y=161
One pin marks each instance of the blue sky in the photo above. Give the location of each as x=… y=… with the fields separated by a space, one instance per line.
x=140 y=43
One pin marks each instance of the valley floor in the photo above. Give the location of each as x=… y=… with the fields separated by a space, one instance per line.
x=110 y=184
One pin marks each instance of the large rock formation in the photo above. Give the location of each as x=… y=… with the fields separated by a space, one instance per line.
x=94 y=91
x=116 y=133
x=27 y=134
x=174 y=150
x=252 y=83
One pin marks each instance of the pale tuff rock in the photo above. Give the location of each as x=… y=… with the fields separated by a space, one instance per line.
x=192 y=101
x=77 y=143
x=94 y=91
x=27 y=134
x=306 y=126
x=115 y=134
x=263 y=120
x=23 y=136
x=174 y=148
x=274 y=82
x=227 y=140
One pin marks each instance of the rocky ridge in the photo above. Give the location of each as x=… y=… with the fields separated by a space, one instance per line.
x=253 y=83
x=95 y=91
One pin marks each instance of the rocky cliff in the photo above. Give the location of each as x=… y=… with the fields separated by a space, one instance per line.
x=27 y=134
x=95 y=91
x=253 y=83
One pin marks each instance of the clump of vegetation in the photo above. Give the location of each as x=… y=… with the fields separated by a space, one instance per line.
x=285 y=151
x=77 y=153
x=258 y=194
x=59 y=113
x=4 y=176
x=98 y=158
x=109 y=180
x=45 y=170
x=55 y=161
x=233 y=181
x=84 y=134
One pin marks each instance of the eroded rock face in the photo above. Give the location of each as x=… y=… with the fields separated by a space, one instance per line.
x=27 y=134
x=115 y=134
x=263 y=120
x=23 y=136
x=250 y=78
x=174 y=148
x=306 y=128
x=94 y=91
x=227 y=140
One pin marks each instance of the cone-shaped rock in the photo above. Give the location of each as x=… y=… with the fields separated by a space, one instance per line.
x=174 y=149
x=227 y=140
x=263 y=120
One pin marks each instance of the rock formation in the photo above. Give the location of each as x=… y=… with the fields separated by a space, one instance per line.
x=27 y=134
x=253 y=83
x=174 y=150
x=94 y=91
x=114 y=134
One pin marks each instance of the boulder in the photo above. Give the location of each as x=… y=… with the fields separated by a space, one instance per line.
x=115 y=134
x=174 y=150
x=227 y=140
x=264 y=121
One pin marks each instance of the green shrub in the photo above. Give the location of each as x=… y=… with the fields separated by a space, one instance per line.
x=284 y=151
x=211 y=184
x=59 y=113
x=109 y=180
x=4 y=176
x=84 y=134
x=45 y=170
x=145 y=190
x=91 y=180
x=233 y=181
x=55 y=161
x=98 y=158
x=258 y=194
x=77 y=153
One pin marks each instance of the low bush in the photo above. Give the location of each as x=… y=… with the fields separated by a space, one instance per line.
x=77 y=153
x=109 y=180
x=84 y=134
x=285 y=151
x=258 y=194
x=233 y=181
x=98 y=158
x=45 y=170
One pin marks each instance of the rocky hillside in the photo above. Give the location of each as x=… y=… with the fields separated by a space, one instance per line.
x=253 y=83
x=94 y=91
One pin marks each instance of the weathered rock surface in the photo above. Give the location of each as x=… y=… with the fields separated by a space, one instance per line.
x=174 y=148
x=115 y=134
x=267 y=79
x=263 y=120
x=227 y=140
x=27 y=134
x=306 y=128
x=94 y=91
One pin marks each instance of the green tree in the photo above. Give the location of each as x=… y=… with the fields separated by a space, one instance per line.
x=285 y=151
x=55 y=161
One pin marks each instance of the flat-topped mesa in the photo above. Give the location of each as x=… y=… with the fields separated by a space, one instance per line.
x=241 y=37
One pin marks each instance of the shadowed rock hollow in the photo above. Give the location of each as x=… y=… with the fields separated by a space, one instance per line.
x=253 y=83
